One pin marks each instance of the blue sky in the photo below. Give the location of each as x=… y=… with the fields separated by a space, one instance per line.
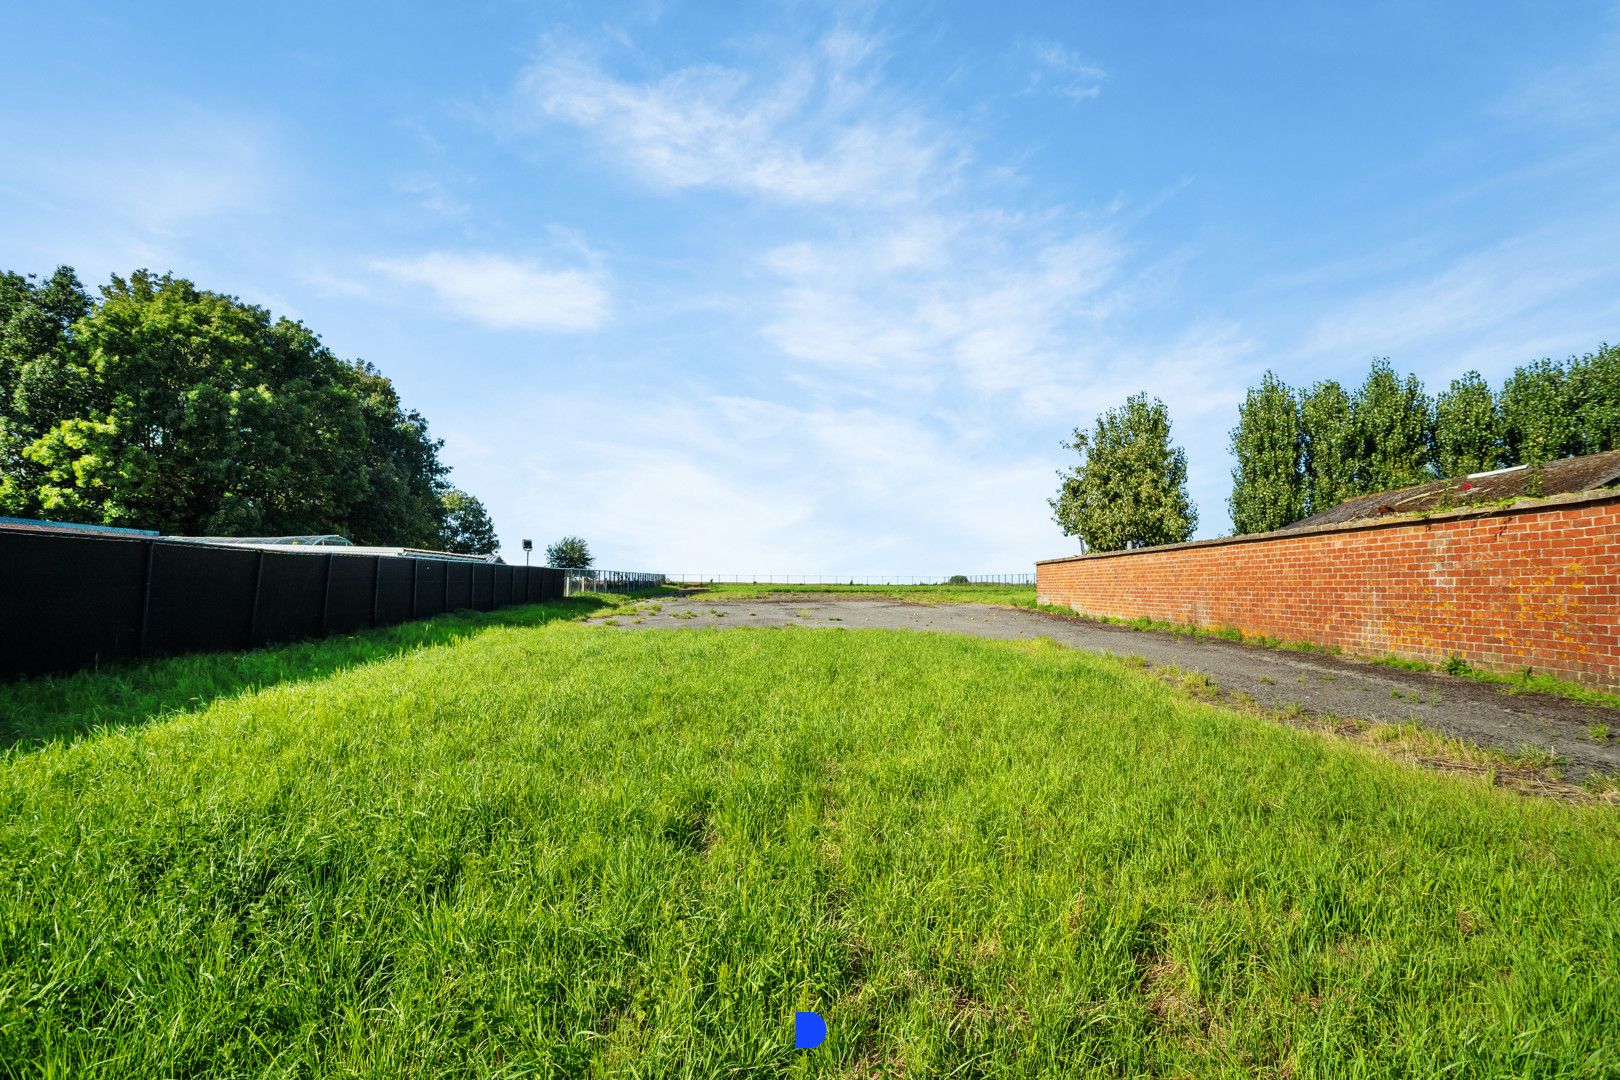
x=809 y=288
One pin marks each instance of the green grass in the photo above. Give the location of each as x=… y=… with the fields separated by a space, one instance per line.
x=55 y=708
x=537 y=848
x=1023 y=596
x=1523 y=681
x=1006 y=595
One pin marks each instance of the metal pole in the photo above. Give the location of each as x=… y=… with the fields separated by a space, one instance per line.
x=146 y=599
x=326 y=595
x=416 y=572
x=253 y=612
x=376 y=586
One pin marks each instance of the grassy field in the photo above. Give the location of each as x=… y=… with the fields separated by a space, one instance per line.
x=523 y=846
x=1012 y=595
x=1522 y=682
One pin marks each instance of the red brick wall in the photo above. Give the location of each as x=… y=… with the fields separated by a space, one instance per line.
x=1537 y=586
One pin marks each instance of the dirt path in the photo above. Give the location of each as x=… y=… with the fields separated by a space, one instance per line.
x=1277 y=678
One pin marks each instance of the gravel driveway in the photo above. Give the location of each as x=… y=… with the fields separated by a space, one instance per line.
x=1277 y=678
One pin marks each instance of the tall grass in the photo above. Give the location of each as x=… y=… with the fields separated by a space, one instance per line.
x=557 y=849
x=62 y=707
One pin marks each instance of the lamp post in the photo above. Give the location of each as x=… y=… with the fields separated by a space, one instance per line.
x=528 y=546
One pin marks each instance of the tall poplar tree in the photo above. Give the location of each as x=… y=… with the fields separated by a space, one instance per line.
x=1540 y=415
x=1468 y=427
x=1328 y=434
x=1595 y=380
x=1394 y=431
x=1268 y=484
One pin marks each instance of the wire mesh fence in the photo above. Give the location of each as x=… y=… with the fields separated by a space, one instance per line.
x=689 y=578
x=609 y=581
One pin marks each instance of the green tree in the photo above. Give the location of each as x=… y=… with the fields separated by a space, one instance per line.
x=1268 y=485
x=1130 y=488
x=1540 y=414
x=42 y=375
x=1394 y=431
x=169 y=407
x=405 y=481
x=1595 y=382
x=202 y=415
x=569 y=553
x=1328 y=435
x=467 y=528
x=1468 y=427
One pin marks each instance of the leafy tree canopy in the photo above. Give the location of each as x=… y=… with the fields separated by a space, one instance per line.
x=1468 y=428
x=1328 y=433
x=1389 y=434
x=169 y=407
x=1394 y=431
x=1130 y=488
x=1268 y=484
x=569 y=553
x=467 y=528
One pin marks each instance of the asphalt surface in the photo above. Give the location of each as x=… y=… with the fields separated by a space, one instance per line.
x=1282 y=679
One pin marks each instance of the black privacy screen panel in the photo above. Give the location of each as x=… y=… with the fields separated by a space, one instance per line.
x=349 y=593
x=68 y=601
x=292 y=596
x=394 y=591
x=201 y=598
x=71 y=601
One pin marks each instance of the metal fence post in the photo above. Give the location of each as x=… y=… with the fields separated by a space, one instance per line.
x=253 y=610
x=326 y=596
x=146 y=599
x=376 y=586
x=416 y=569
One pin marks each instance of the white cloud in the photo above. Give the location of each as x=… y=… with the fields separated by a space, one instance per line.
x=989 y=300
x=1582 y=93
x=128 y=190
x=505 y=293
x=1061 y=71
x=1535 y=283
x=435 y=198
x=815 y=132
x=937 y=344
x=744 y=485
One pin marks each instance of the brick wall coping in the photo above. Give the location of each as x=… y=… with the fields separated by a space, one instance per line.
x=1522 y=506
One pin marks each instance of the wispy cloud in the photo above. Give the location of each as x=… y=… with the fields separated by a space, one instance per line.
x=987 y=300
x=435 y=198
x=1057 y=69
x=1583 y=93
x=148 y=189
x=747 y=502
x=813 y=131
x=1538 y=284
x=505 y=293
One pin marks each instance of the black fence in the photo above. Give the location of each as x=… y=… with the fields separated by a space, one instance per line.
x=71 y=601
